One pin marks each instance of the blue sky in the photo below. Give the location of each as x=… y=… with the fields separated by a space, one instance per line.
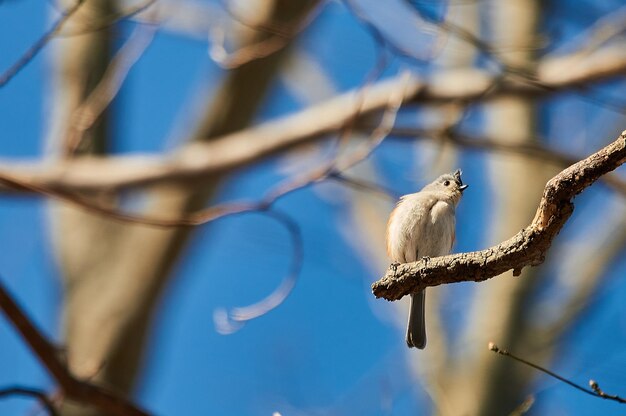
x=325 y=350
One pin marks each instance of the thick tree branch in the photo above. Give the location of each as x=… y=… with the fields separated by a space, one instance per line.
x=527 y=248
x=238 y=149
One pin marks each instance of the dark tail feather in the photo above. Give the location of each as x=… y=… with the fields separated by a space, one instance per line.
x=416 y=330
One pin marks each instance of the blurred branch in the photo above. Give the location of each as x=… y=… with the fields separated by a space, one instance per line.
x=531 y=148
x=281 y=36
x=523 y=407
x=75 y=389
x=108 y=22
x=123 y=270
x=230 y=151
x=39 y=45
x=84 y=117
x=40 y=395
x=594 y=389
x=364 y=185
x=320 y=173
x=229 y=321
x=541 y=80
x=600 y=32
x=189 y=18
x=591 y=268
x=527 y=248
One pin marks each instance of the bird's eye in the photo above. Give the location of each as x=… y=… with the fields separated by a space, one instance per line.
x=446 y=183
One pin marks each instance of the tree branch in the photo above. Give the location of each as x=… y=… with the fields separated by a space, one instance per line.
x=527 y=248
x=39 y=45
x=75 y=389
x=238 y=149
x=531 y=148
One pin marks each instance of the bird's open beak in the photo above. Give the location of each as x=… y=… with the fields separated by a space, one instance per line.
x=463 y=187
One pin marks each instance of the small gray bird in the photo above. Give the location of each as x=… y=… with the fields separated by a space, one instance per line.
x=422 y=225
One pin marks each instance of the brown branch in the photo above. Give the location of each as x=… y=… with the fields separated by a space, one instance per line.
x=75 y=389
x=527 y=248
x=40 y=395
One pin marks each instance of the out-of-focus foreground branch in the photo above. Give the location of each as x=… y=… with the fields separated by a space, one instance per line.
x=527 y=248
x=237 y=149
x=73 y=388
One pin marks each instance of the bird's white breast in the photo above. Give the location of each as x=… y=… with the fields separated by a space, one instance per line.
x=420 y=225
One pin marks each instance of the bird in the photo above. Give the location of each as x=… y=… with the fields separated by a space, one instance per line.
x=422 y=225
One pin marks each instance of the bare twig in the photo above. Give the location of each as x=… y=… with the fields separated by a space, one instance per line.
x=108 y=22
x=103 y=94
x=364 y=185
x=39 y=45
x=40 y=395
x=515 y=73
x=598 y=391
x=527 y=248
x=594 y=389
x=78 y=390
x=532 y=148
x=280 y=37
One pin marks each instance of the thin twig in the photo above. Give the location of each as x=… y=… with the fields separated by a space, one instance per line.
x=364 y=185
x=38 y=394
x=516 y=74
x=597 y=390
x=532 y=148
x=278 y=39
x=594 y=389
x=39 y=45
x=103 y=94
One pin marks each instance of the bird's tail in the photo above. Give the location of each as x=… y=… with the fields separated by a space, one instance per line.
x=416 y=329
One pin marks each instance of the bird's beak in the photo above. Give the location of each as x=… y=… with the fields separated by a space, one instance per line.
x=463 y=187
